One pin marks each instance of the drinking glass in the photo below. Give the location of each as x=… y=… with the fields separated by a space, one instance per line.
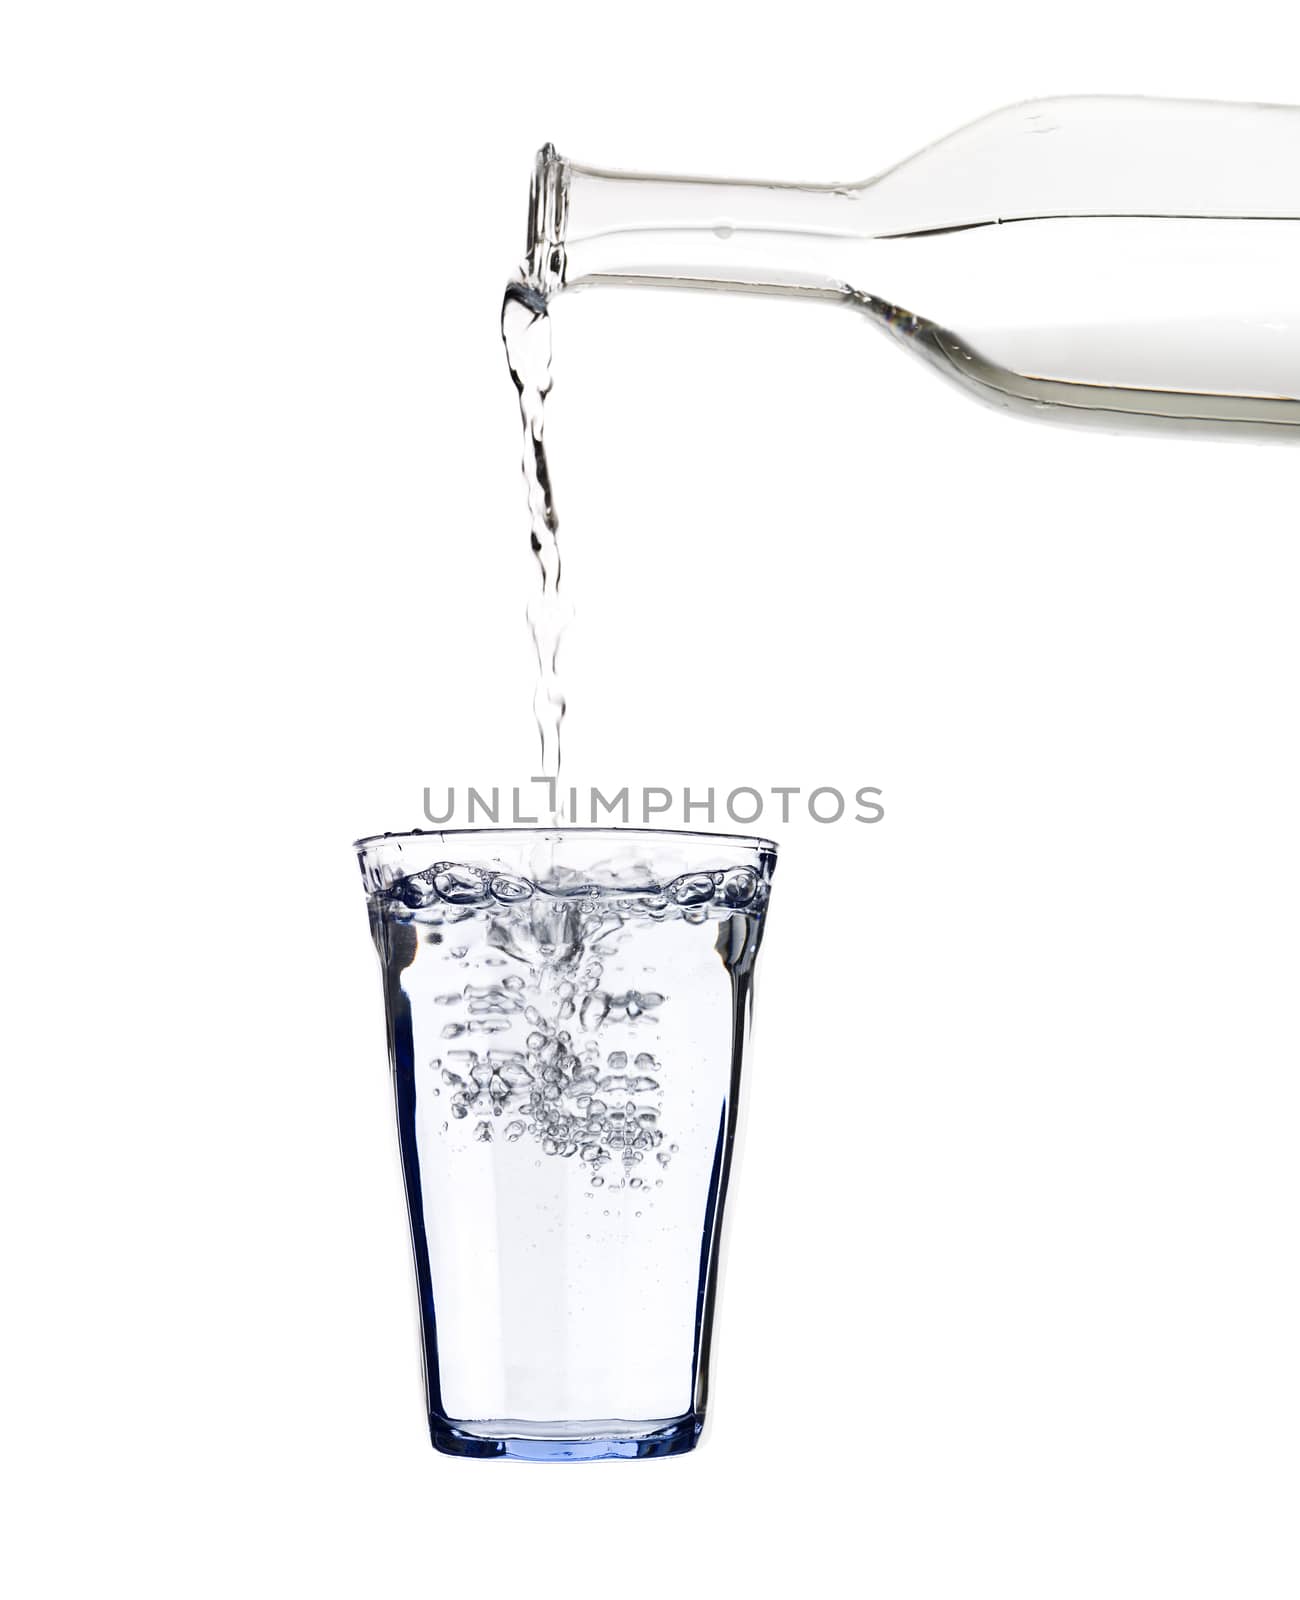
x=567 y=1012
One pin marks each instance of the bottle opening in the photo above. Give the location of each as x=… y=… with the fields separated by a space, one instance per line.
x=544 y=262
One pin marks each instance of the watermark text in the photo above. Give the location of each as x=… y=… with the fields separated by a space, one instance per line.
x=746 y=806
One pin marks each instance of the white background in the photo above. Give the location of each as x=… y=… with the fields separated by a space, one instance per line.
x=1011 y=1305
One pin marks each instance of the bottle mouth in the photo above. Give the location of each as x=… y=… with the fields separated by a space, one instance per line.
x=544 y=261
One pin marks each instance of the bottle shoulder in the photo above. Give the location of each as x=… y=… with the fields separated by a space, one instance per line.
x=1096 y=155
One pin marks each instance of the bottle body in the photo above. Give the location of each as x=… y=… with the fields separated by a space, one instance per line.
x=1130 y=261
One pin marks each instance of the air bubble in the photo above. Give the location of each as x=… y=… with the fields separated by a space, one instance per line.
x=416 y=891
x=509 y=889
x=595 y=1008
x=459 y=885
x=692 y=890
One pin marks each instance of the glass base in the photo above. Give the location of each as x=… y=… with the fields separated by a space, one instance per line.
x=513 y=1440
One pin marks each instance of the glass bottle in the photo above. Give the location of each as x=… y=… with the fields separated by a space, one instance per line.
x=1130 y=261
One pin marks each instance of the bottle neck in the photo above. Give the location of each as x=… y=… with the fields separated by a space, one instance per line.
x=588 y=226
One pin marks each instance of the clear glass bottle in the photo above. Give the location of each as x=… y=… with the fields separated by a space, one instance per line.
x=1129 y=261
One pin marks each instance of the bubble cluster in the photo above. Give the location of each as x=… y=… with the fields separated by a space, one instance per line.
x=560 y=1086
x=454 y=884
x=559 y=1094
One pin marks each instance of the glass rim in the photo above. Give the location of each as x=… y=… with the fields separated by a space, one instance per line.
x=744 y=840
